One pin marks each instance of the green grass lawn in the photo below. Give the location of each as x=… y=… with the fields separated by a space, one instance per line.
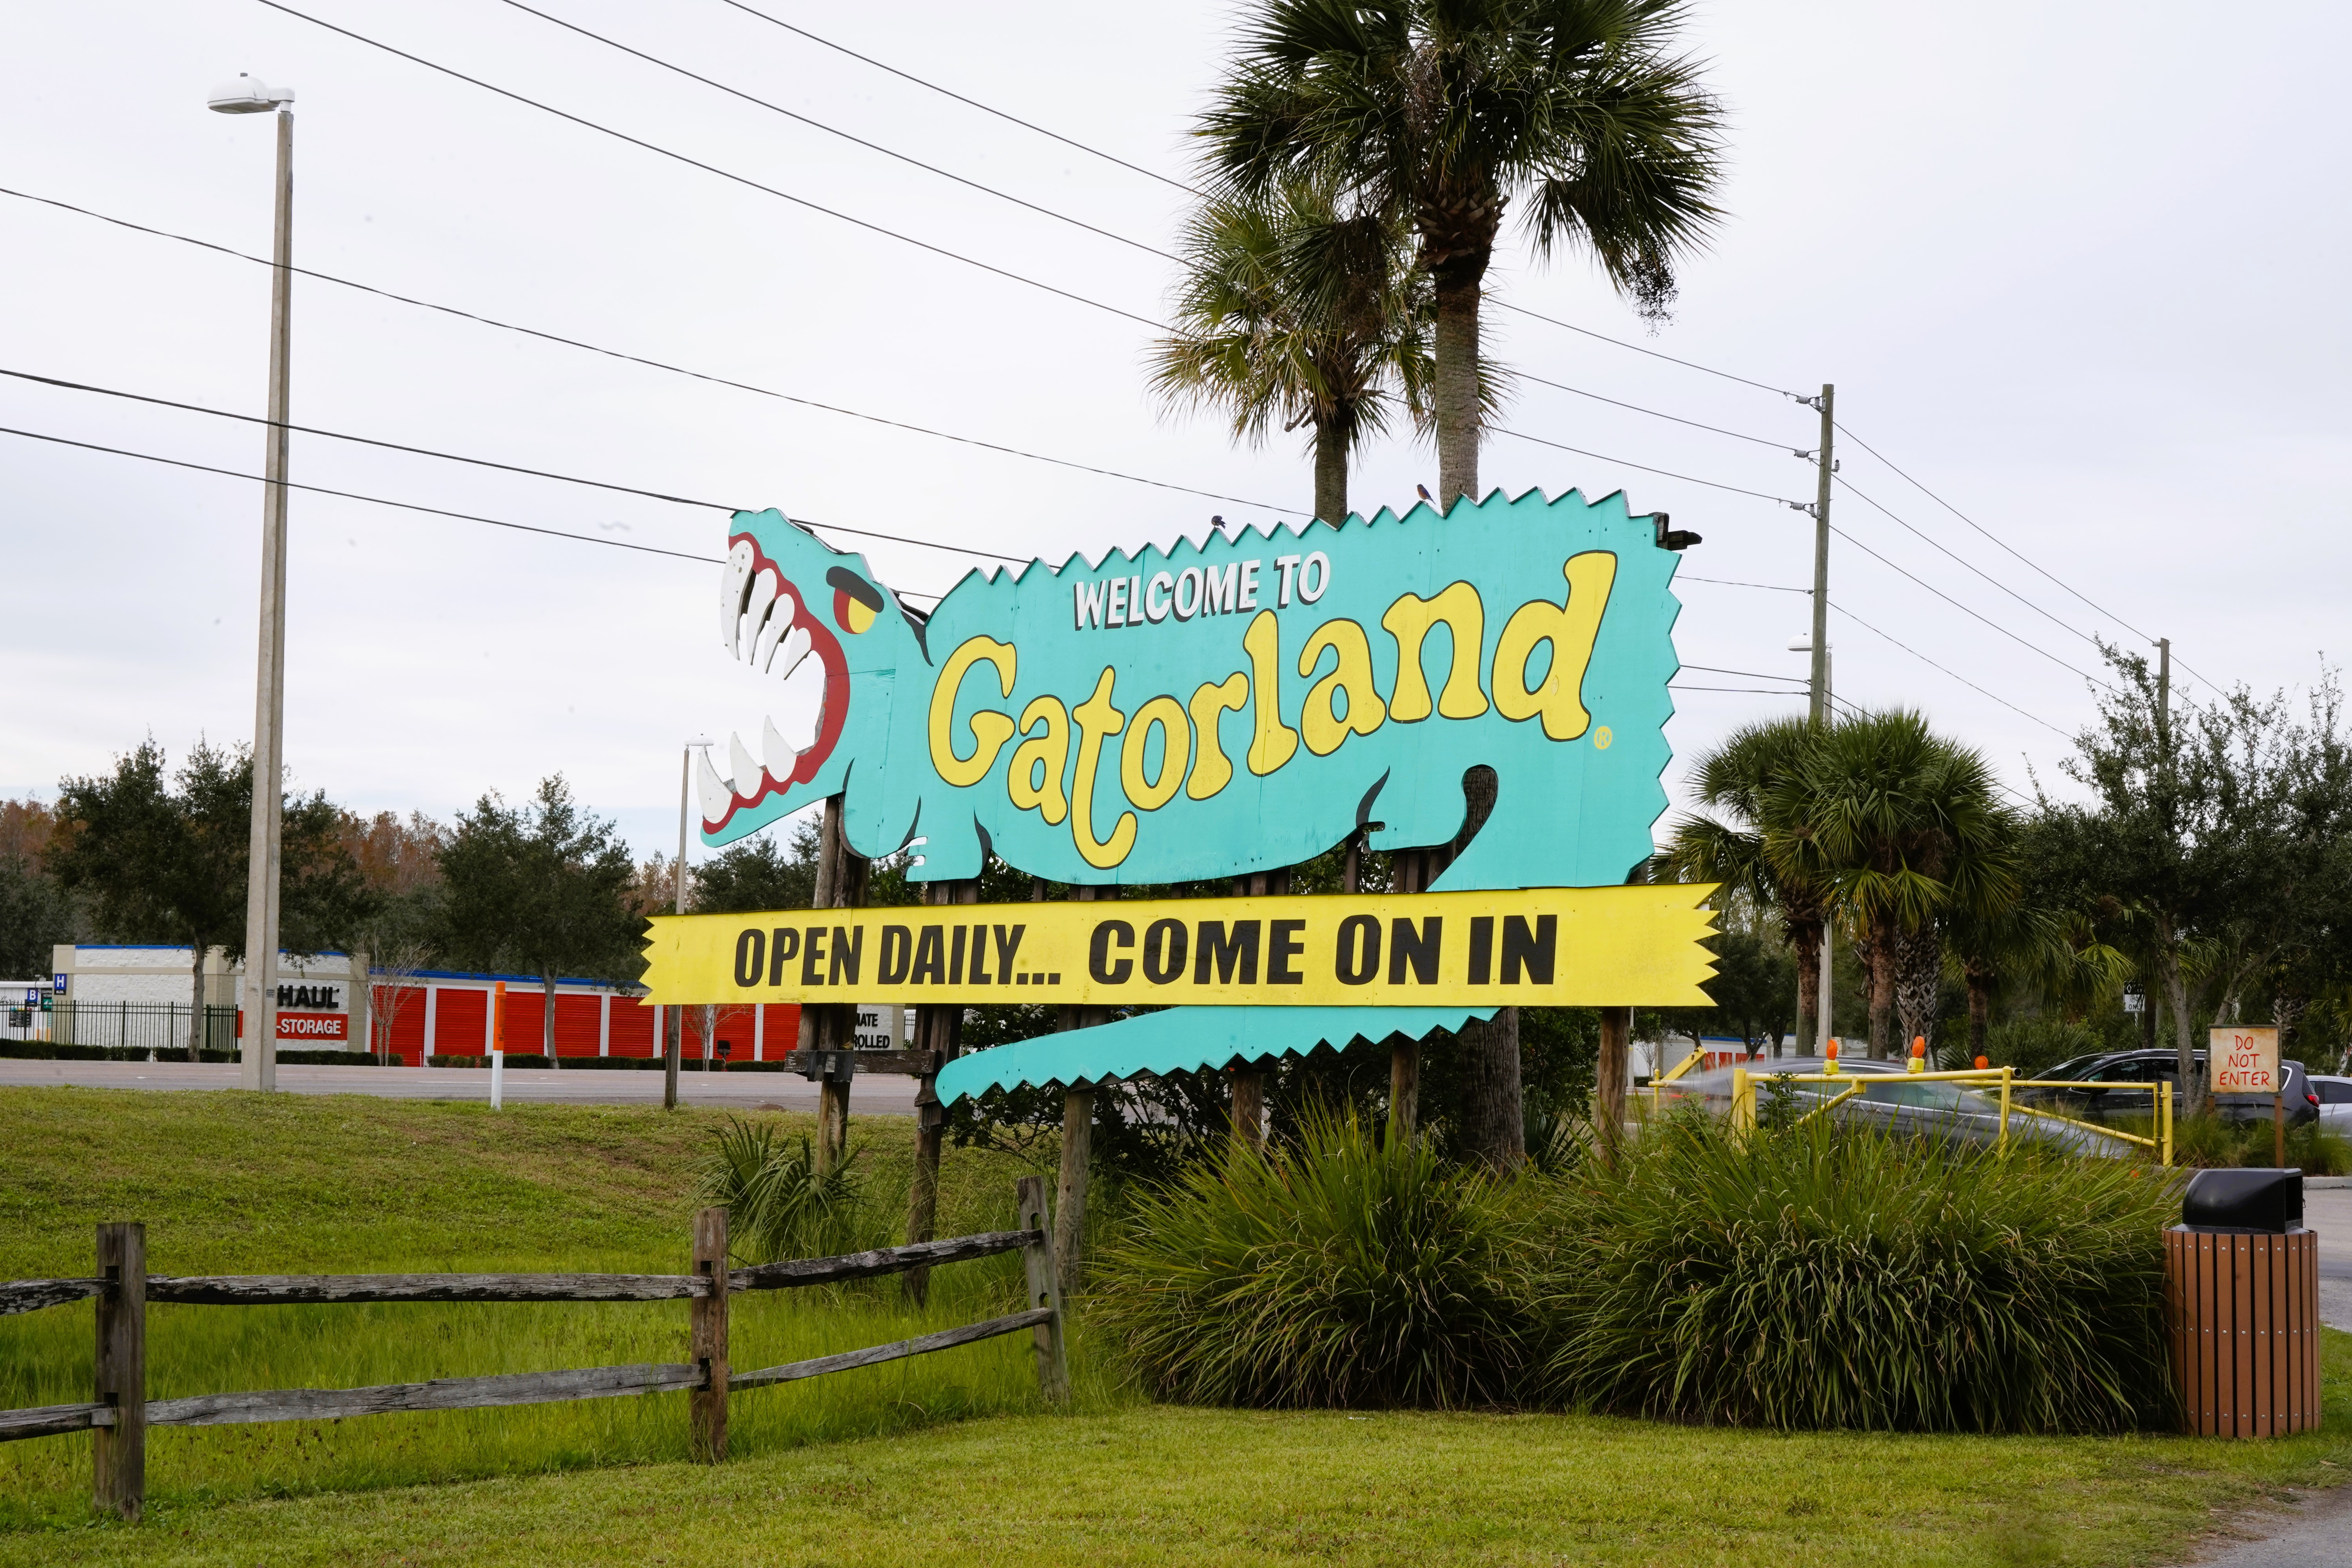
x=947 y=1458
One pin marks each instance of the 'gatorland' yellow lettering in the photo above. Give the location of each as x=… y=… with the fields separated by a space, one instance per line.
x=1465 y=620
x=1097 y=722
x=1213 y=770
x=1538 y=671
x=990 y=728
x=1034 y=780
x=1571 y=630
x=1318 y=719
x=1272 y=742
x=1167 y=715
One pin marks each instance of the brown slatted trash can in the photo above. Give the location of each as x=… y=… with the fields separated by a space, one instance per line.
x=2241 y=1291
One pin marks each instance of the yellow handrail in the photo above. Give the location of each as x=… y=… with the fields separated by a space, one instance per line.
x=1745 y=1083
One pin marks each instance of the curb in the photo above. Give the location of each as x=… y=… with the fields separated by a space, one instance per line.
x=2324 y=1184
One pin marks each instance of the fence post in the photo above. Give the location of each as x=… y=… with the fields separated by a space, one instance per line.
x=119 y=1454
x=709 y=1400
x=1038 y=1258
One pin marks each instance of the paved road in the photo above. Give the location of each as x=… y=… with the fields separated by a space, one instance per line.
x=2316 y=1534
x=2329 y=1211
x=875 y=1095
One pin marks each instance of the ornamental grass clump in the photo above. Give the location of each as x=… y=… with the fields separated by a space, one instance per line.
x=1829 y=1278
x=778 y=1203
x=1330 y=1272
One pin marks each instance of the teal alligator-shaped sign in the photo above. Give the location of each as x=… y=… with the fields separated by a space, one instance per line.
x=1218 y=709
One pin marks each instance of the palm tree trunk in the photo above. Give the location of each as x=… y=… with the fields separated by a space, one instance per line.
x=1806 y=939
x=1919 y=975
x=1494 y=1121
x=1456 y=389
x=1883 y=940
x=1330 y=472
x=1980 y=1009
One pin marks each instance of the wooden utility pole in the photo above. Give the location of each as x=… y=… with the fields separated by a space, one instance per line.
x=938 y=1029
x=1820 y=685
x=119 y=1453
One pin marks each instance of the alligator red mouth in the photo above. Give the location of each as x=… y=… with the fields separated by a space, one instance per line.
x=767 y=622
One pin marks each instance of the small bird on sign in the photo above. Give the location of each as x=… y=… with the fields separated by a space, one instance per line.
x=1424 y=491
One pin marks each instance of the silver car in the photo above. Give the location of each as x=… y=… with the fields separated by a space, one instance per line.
x=1894 y=1102
x=2334 y=1103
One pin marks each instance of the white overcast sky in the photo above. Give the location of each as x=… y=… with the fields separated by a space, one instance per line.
x=2078 y=267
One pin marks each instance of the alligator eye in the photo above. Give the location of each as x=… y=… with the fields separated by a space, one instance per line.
x=856 y=602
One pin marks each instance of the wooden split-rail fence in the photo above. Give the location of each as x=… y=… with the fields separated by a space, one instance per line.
x=121 y=1412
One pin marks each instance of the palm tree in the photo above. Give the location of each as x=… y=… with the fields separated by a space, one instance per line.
x=1739 y=781
x=1291 y=314
x=1903 y=826
x=1441 y=113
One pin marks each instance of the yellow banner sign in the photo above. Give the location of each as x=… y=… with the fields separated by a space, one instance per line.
x=1539 y=947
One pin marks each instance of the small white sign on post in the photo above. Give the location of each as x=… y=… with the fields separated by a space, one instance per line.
x=2243 y=1058
x=880 y=1026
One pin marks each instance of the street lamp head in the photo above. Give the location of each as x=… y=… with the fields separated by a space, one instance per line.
x=699 y=741
x=248 y=95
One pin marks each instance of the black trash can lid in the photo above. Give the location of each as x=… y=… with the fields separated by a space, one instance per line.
x=2255 y=1200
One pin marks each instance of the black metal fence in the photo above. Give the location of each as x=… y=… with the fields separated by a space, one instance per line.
x=159 y=1027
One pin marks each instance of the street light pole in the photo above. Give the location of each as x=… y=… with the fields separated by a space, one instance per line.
x=672 y=1045
x=258 y=1051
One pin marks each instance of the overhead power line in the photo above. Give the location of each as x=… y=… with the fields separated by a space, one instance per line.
x=651 y=364
x=1654 y=353
x=2061 y=625
x=1629 y=463
x=970 y=102
x=1973 y=615
x=2003 y=543
x=1759 y=690
x=1754 y=674
x=834 y=131
x=354 y=494
x=743 y=179
x=1656 y=413
x=460 y=516
x=1734 y=583
x=368 y=441
x=2014 y=553
x=1956 y=675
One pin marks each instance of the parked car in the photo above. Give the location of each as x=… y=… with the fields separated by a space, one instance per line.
x=1891 y=1100
x=2300 y=1101
x=2334 y=1102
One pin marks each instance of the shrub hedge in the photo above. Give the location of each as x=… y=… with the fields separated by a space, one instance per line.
x=1331 y=1271
x=1819 y=1277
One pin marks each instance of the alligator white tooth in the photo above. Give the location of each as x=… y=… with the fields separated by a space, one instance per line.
x=779 y=621
x=755 y=615
x=816 y=727
x=746 y=771
x=789 y=655
x=734 y=581
x=781 y=754
x=716 y=797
